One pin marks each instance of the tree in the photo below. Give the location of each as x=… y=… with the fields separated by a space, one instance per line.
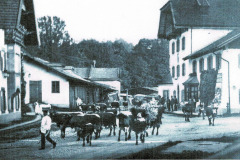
x=148 y=62
x=208 y=80
x=52 y=36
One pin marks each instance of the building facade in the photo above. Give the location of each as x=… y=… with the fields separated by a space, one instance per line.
x=199 y=39
x=58 y=85
x=18 y=29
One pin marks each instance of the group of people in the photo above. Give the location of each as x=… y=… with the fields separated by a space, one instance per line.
x=171 y=104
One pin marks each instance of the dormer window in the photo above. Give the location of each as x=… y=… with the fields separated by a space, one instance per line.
x=173 y=47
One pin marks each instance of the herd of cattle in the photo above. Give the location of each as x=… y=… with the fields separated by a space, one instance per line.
x=93 y=118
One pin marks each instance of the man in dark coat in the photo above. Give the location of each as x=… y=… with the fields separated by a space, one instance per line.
x=168 y=103
x=162 y=101
x=172 y=103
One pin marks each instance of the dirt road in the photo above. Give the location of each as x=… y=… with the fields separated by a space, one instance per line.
x=174 y=128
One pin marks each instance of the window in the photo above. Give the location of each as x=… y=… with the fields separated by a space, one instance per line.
x=174 y=93
x=173 y=47
x=239 y=61
x=201 y=65
x=3 y=100
x=178 y=45
x=166 y=94
x=183 y=69
x=210 y=62
x=55 y=87
x=173 y=72
x=178 y=71
x=194 y=65
x=191 y=91
x=183 y=43
x=218 y=61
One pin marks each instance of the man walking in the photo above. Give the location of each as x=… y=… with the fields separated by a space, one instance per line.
x=45 y=130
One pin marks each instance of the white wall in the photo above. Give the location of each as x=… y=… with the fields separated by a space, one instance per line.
x=3 y=80
x=168 y=87
x=195 y=39
x=232 y=56
x=36 y=73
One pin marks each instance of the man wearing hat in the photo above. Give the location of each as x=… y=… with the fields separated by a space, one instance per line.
x=45 y=130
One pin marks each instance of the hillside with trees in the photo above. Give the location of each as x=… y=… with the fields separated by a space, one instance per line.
x=141 y=65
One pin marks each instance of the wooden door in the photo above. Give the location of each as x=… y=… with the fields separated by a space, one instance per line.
x=35 y=91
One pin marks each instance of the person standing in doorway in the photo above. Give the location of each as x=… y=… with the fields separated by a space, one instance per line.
x=45 y=130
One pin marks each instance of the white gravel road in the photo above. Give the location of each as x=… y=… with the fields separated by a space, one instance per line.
x=174 y=128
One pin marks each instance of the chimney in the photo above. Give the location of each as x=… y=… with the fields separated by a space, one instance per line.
x=94 y=63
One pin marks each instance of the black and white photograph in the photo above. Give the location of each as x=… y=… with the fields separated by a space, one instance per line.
x=119 y=79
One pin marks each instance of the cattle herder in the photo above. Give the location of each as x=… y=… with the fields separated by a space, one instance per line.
x=45 y=130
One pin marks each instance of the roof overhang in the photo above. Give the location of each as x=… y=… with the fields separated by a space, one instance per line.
x=192 y=80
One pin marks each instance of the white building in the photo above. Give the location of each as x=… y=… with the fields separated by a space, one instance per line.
x=58 y=85
x=201 y=34
x=18 y=29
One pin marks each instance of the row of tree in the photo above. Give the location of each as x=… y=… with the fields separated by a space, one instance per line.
x=142 y=65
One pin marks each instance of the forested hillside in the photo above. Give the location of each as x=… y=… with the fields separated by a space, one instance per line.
x=141 y=65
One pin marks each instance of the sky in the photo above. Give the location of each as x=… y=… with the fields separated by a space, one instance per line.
x=105 y=20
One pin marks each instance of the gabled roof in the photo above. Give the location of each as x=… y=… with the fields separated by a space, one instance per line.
x=99 y=74
x=191 y=80
x=9 y=11
x=200 y=13
x=14 y=13
x=217 y=45
x=66 y=73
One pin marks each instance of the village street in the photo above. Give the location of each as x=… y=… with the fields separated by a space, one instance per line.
x=174 y=128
